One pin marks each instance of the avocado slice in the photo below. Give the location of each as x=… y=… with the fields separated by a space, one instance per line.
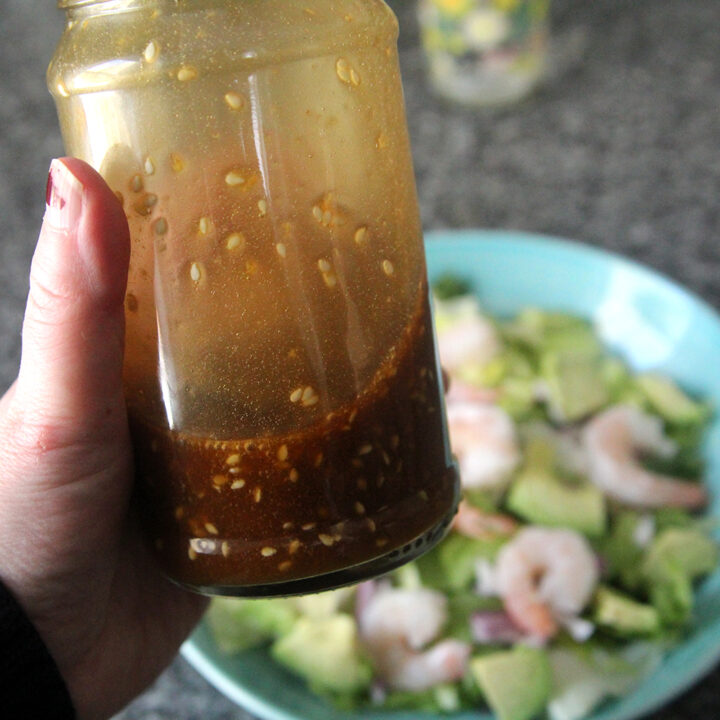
x=670 y=401
x=676 y=558
x=624 y=616
x=543 y=499
x=687 y=548
x=326 y=653
x=516 y=683
x=575 y=381
x=238 y=624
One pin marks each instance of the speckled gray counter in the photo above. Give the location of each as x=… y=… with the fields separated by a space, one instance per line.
x=622 y=150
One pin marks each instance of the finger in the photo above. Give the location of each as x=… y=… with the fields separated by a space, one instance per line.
x=71 y=365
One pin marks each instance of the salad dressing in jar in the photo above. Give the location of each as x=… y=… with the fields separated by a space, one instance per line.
x=281 y=375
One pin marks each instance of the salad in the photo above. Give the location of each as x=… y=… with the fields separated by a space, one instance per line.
x=571 y=565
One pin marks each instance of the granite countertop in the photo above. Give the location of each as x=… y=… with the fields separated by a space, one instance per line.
x=620 y=150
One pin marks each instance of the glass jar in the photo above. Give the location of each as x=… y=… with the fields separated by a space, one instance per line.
x=281 y=375
x=485 y=52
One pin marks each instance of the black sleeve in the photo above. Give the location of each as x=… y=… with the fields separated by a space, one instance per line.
x=30 y=684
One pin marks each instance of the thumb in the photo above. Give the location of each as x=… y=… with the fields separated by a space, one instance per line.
x=70 y=379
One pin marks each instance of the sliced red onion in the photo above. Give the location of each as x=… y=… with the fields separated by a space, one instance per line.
x=494 y=627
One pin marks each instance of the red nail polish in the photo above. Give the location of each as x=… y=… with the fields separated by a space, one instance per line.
x=63 y=197
x=52 y=199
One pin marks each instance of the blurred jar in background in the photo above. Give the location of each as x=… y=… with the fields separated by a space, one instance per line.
x=485 y=52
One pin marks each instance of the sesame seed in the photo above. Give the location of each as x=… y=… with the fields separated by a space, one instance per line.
x=326 y=540
x=319 y=460
x=288 y=526
x=225 y=548
x=234 y=100
x=234 y=178
x=268 y=551
x=179 y=512
x=370 y=525
x=380 y=481
x=220 y=480
x=309 y=526
x=330 y=279
x=136 y=183
x=187 y=73
x=386 y=458
x=145 y=204
x=151 y=52
x=282 y=453
x=395 y=441
x=362 y=484
x=382 y=141
x=294 y=546
x=342 y=68
x=233 y=459
x=317 y=213
x=293 y=475
x=285 y=566
x=361 y=235
x=296 y=394
x=149 y=166
x=191 y=553
x=262 y=207
x=160 y=226
x=176 y=162
x=281 y=250
x=365 y=449
x=237 y=484
x=196 y=271
x=235 y=241
x=204 y=225
x=309 y=396
x=257 y=494
x=131 y=302
x=211 y=528
x=354 y=77
x=381 y=542
x=359 y=508
x=423 y=495
x=234 y=470
x=388 y=268
x=324 y=265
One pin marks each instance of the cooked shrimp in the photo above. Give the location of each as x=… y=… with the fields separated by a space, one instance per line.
x=484 y=440
x=470 y=339
x=545 y=576
x=475 y=523
x=396 y=625
x=612 y=440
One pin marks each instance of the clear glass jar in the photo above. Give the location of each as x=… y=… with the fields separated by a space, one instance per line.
x=281 y=374
x=485 y=52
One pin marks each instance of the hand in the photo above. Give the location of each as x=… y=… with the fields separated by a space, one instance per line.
x=70 y=550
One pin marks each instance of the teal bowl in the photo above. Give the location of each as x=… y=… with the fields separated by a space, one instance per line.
x=647 y=319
